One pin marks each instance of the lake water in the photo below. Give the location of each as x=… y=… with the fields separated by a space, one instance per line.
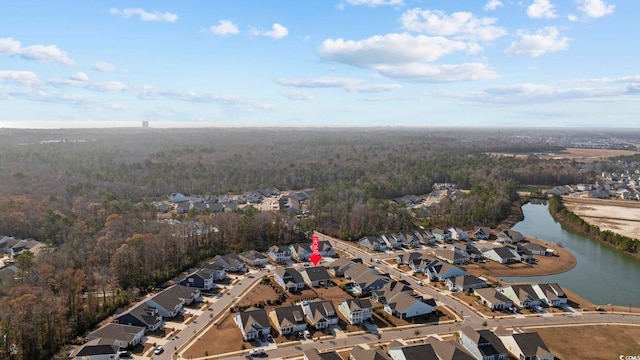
x=603 y=275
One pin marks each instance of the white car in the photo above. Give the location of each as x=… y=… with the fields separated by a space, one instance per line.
x=159 y=350
x=257 y=352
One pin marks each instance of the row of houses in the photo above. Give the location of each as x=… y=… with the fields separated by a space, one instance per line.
x=128 y=329
x=282 y=254
x=522 y=295
x=473 y=344
x=257 y=323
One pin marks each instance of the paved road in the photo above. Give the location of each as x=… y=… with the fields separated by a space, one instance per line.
x=466 y=316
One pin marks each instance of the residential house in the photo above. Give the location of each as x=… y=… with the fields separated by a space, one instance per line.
x=289 y=279
x=537 y=249
x=404 y=258
x=474 y=253
x=449 y=349
x=301 y=251
x=358 y=353
x=393 y=241
x=315 y=354
x=279 y=254
x=320 y=314
x=356 y=311
x=425 y=237
x=482 y=233
x=325 y=249
x=177 y=197
x=527 y=346
x=551 y=294
x=204 y=277
x=315 y=276
x=465 y=283
x=230 y=263
x=356 y=270
x=390 y=290
x=338 y=267
x=288 y=320
x=405 y=306
x=525 y=255
x=253 y=323
x=143 y=316
x=523 y=295
x=170 y=302
x=502 y=255
x=368 y=282
x=215 y=207
x=442 y=236
x=22 y=246
x=420 y=265
x=458 y=234
x=374 y=243
x=97 y=349
x=510 y=237
x=398 y=351
x=454 y=255
x=493 y=299
x=411 y=239
x=183 y=207
x=254 y=258
x=483 y=344
x=442 y=271
x=124 y=336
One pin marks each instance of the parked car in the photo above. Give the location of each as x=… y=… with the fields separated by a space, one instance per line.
x=538 y=308
x=159 y=350
x=307 y=334
x=257 y=352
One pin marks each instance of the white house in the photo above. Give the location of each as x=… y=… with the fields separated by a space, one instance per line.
x=405 y=306
x=288 y=319
x=253 y=323
x=320 y=314
x=483 y=344
x=356 y=311
x=493 y=299
x=527 y=346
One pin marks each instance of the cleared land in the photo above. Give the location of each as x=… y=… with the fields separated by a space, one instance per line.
x=605 y=341
x=619 y=216
x=579 y=154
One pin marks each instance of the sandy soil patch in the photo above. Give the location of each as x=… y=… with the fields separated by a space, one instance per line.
x=621 y=217
x=605 y=341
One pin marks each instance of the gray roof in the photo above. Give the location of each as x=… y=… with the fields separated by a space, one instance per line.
x=530 y=343
x=468 y=280
x=355 y=304
x=252 y=255
x=504 y=252
x=314 y=354
x=317 y=273
x=95 y=347
x=488 y=343
x=449 y=350
x=291 y=273
x=419 y=352
x=289 y=315
x=172 y=296
x=358 y=353
x=120 y=332
x=253 y=317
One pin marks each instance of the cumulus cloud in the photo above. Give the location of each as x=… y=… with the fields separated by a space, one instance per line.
x=27 y=78
x=103 y=66
x=541 y=9
x=277 y=32
x=606 y=80
x=144 y=15
x=79 y=76
x=374 y=3
x=89 y=85
x=298 y=95
x=389 y=49
x=492 y=5
x=224 y=27
x=348 y=84
x=543 y=41
x=432 y=73
x=595 y=8
x=463 y=25
x=41 y=53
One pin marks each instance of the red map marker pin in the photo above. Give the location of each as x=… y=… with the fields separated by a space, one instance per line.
x=315 y=257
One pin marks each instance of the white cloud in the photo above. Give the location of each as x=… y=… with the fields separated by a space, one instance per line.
x=595 y=8
x=299 y=95
x=89 y=85
x=541 y=9
x=224 y=27
x=348 y=84
x=431 y=73
x=79 y=76
x=605 y=80
x=27 y=78
x=543 y=41
x=41 y=53
x=536 y=93
x=277 y=31
x=144 y=15
x=389 y=49
x=374 y=3
x=463 y=25
x=572 y=17
x=492 y=5
x=103 y=66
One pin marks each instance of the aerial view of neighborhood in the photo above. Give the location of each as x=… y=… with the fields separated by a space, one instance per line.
x=472 y=244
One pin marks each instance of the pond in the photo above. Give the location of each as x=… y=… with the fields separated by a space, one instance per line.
x=603 y=275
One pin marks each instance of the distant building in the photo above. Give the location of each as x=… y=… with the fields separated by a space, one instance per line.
x=145 y=124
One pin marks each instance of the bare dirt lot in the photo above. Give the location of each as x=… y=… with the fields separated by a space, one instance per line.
x=619 y=216
x=579 y=154
x=605 y=341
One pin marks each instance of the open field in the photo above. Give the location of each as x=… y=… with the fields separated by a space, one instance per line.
x=579 y=154
x=619 y=216
x=605 y=341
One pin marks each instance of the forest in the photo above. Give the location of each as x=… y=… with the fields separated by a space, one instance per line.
x=88 y=193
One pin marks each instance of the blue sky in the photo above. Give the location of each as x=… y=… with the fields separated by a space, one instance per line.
x=319 y=63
